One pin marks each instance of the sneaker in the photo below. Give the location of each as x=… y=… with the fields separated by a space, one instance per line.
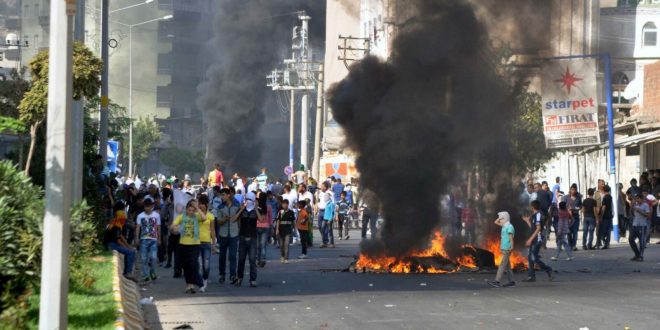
x=233 y=280
x=605 y=247
x=153 y=276
x=529 y=280
x=253 y=284
x=553 y=258
x=286 y=261
x=347 y=237
x=575 y=248
x=282 y=259
x=551 y=276
x=569 y=258
x=640 y=259
x=221 y=280
x=238 y=282
x=168 y=266
x=494 y=284
x=146 y=279
x=340 y=238
x=323 y=246
x=203 y=287
x=302 y=256
x=509 y=285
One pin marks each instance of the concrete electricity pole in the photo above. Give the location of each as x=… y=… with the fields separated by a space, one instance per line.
x=316 y=164
x=298 y=74
x=58 y=185
x=103 y=111
x=78 y=113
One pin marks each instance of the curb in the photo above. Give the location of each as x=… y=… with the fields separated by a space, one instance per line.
x=126 y=296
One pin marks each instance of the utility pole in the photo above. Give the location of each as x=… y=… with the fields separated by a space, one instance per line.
x=103 y=111
x=78 y=113
x=316 y=164
x=59 y=170
x=298 y=74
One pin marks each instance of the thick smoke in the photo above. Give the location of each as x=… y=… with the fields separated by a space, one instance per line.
x=251 y=38
x=421 y=119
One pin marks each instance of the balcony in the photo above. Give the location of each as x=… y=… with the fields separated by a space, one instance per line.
x=13 y=24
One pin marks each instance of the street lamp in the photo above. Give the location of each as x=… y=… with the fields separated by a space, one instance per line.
x=130 y=84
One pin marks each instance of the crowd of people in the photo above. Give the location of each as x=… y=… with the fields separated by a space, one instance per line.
x=171 y=223
x=637 y=214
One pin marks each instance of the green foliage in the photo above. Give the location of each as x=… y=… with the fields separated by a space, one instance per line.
x=11 y=125
x=11 y=94
x=146 y=133
x=86 y=82
x=21 y=211
x=182 y=160
x=527 y=140
x=21 y=230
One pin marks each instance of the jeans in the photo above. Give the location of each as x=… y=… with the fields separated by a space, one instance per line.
x=262 y=241
x=369 y=219
x=320 y=221
x=247 y=247
x=470 y=235
x=562 y=241
x=129 y=256
x=533 y=257
x=588 y=232
x=328 y=235
x=572 y=241
x=231 y=244
x=505 y=267
x=172 y=246
x=604 y=232
x=205 y=259
x=149 y=255
x=638 y=233
x=284 y=239
x=304 y=240
x=343 y=224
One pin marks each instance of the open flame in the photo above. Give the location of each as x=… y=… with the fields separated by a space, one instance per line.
x=410 y=264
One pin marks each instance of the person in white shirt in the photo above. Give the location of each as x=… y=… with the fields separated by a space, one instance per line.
x=324 y=196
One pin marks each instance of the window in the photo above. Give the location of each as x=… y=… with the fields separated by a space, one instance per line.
x=36 y=9
x=649 y=35
x=26 y=10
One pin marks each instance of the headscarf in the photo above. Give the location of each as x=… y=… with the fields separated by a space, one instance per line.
x=185 y=219
x=119 y=220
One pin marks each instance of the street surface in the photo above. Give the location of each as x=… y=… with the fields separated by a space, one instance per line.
x=599 y=289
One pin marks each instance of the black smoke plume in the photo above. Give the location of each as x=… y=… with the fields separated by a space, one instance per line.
x=420 y=119
x=251 y=38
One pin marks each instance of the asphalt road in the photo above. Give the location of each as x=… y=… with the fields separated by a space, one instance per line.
x=597 y=290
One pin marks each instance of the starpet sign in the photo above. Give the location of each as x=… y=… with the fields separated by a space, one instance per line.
x=570 y=103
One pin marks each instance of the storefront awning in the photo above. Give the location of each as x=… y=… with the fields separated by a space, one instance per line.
x=624 y=142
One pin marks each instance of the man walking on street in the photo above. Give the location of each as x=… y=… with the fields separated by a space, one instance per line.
x=641 y=213
x=506 y=246
x=605 y=226
x=589 y=213
x=534 y=242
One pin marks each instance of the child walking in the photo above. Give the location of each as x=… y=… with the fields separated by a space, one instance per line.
x=302 y=225
x=148 y=230
x=563 y=224
x=285 y=221
x=506 y=246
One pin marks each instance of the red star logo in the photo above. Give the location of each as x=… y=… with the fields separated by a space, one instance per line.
x=568 y=80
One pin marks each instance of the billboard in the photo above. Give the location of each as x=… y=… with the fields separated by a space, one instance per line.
x=569 y=99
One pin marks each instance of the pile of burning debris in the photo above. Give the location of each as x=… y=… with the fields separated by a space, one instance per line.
x=436 y=260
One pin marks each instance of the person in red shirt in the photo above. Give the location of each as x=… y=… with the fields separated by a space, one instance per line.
x=215 y=177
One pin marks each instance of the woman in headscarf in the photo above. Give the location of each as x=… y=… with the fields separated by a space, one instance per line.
x=188 y=226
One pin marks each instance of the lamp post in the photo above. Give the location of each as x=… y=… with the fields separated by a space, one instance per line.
x=130 y=84
x=103 y=111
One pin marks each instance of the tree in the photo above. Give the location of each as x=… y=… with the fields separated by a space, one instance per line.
x=146 y=133
x=86 y=83
x=181 y=160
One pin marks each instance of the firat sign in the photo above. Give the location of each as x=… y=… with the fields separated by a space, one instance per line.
x=570 y=119
x=569 y=97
